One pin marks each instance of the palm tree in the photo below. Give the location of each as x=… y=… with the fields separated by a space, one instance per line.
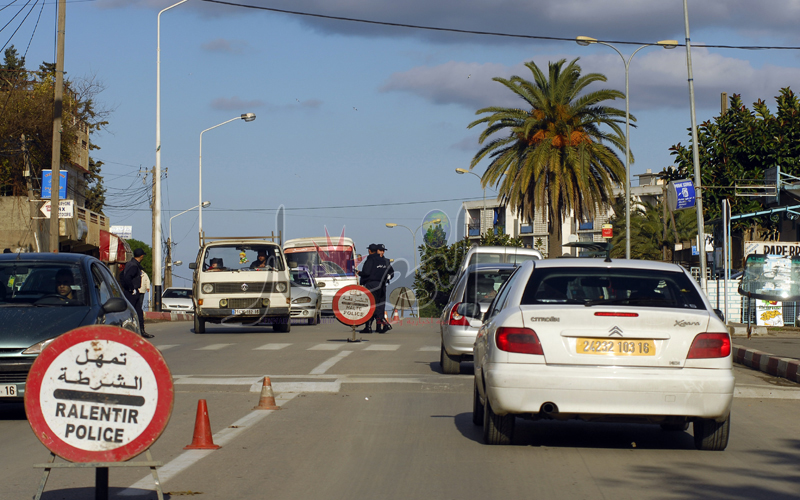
x=552 y=155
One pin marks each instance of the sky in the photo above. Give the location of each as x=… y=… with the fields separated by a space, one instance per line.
x=363 y=124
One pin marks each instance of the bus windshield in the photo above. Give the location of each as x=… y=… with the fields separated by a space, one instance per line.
x=324 y=261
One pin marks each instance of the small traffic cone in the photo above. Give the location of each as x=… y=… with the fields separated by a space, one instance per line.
x=202 y=439
x=267 y=401
x=396 y=317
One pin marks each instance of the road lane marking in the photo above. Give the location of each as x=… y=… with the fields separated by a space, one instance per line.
x=765 y=392
x=190 y=457
x=322 y=368
x=213 y=347
x=217 y=380
x=430 y=348
x=298 y=387
x=326 y=347
x=382 y=347
x=271 y=347
x=164 y=347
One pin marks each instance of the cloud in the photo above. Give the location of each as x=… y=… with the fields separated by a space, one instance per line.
x=235 y=104
x=225 y=46
x=469 y=144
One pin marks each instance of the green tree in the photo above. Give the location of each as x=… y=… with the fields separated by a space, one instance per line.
x=434 y=281
x=556 y=154
x=647 y=230
x=500 y=240
x=435 y=236
x=147 y=262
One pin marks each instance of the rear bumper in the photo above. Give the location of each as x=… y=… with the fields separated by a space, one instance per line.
x=611 y=391
x=458 y=339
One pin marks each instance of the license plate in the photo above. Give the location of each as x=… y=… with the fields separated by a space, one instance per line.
x=8 y=391
x=616 y=347
x=238 y=312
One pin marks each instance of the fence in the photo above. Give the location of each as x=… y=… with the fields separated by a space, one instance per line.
x=739 y=307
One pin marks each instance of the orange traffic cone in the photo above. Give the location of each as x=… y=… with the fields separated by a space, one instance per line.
x=202 y=439
x=267 y=401
x=396 y=317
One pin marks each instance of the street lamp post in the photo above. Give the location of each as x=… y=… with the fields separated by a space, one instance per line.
x=168 y=267
x=483 y=210
x=667 y=44
x=414 y=235
x=157 y=174
x=248 y=117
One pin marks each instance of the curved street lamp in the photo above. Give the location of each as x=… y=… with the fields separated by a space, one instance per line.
x=168 y=266
x=414 y=234
x=667 y=44
x=462 y=171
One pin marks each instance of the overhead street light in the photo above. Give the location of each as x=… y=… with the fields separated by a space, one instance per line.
x=414 y=235
x=483 y=210
x=168 y=267
x=247 y=117
x=667 y=44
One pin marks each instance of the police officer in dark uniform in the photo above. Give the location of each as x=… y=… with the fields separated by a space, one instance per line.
x=131 y=281
x=386 y=274
x=370 y=279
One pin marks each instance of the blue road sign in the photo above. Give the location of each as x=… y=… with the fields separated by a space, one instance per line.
x=47 y=184
x=681 y=194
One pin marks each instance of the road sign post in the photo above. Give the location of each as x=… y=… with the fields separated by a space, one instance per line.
x=353 y=305
x=98 y=396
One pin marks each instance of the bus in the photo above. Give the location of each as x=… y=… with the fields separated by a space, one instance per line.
x=333 y=264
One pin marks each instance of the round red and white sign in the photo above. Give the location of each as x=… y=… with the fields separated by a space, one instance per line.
x=99 y=394
x=353 y=305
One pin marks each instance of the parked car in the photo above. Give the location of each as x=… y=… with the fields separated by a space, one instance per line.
x=626 y=341
x=177 y=300
x=43 y=295
x=306 y=295
x=472 y=294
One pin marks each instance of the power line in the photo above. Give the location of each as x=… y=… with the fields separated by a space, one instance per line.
x=482 y=33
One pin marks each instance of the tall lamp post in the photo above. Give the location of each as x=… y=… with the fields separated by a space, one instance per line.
x=248 y=117
x=168 y=267
x=667 y=44
x=157 y=174
x=414 y=235
x=461 y=171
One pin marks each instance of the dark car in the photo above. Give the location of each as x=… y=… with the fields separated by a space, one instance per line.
x=43 y=295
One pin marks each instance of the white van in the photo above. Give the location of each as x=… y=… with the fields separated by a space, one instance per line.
x=241 y=281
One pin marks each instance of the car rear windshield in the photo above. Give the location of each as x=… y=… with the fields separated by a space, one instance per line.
x=615 y=286
x=41 y=284
x=482 y=285
x=175 y=293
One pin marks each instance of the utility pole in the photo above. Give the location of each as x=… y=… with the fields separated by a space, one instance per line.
x=33 y=207
x=58 y=96
x=154 y=242
x=168 y=267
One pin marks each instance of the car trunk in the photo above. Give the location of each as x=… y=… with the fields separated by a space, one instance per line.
x=614 y=336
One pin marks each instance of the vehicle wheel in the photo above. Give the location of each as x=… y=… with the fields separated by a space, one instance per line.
x=199 y=324
x=477 y=407
x=497 y=429
x=314 y=320
x=712 y=435
x=450 y=364
x=675 y=427
x=283 y=325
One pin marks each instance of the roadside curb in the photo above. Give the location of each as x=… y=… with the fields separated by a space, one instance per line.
x=788 y=368
x=167 y=316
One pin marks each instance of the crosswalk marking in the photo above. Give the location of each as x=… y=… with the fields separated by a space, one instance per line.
x=164 y=347
x=271 y=347
x=213 y=347
x=326 y=347
x=323 y=367
x=430 y=348
x=382 y=347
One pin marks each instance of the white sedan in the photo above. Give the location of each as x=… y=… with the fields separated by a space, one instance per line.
x=177 y=300
x=622 y=341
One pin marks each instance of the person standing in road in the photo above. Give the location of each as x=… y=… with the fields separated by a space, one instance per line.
x=143 y=290
x=386 y=273
x=131 y=281
x=370 y=279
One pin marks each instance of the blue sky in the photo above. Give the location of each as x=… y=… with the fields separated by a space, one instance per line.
x=375 y=116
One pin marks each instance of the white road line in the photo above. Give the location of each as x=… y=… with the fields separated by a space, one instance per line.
x=190 y=457
x=213 y=347
x=382 y=347
x=164 y=347
x=328 y=364
x=217 y=380
x=271 y=347
x=325 y=347
x=765 y=392
x=430 y=348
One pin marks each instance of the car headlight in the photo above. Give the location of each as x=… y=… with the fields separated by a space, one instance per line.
x=208 y=288
x=265 y=302
x=302 y=300
x=280 y=287
x=37 y=348
x=223 y=302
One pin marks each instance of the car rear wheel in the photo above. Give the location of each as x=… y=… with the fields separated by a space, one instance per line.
x=712 y=435
x=477 y=406
x=450 y=364
x=497 y=429
x=199 y=324
x=282 y=325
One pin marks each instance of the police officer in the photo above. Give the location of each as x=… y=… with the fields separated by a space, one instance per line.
x=386 y=274
x=131 y=281
x=370 y=279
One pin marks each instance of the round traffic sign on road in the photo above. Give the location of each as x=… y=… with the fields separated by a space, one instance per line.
x=353 y=305
x=99 y=394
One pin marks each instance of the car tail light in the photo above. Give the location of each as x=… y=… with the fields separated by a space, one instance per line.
x=710 y=345
x=523 y=340
x=457 y=319
x=617 y=315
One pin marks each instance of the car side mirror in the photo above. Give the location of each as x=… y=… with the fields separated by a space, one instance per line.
x=192 y=265
x=720 y=314
x=470 y=310
x=321 y=284
x=115 y=305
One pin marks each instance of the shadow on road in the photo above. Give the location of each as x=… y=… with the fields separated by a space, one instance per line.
x=134 y=494
x=12 y=411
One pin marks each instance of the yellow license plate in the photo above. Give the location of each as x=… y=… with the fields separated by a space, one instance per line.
x=616 y=347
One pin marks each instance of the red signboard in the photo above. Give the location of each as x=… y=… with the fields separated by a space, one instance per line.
x=99 y=394
x=353 y=305
x=608 y=231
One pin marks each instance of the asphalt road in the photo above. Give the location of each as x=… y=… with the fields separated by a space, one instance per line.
x=378 y=420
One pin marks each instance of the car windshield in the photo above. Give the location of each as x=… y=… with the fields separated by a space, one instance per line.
x=301 y=278
x=598 y=286
x=41 y=284
x=177 y=293
x=482 y=286
x=324 y=261
x=242 y=258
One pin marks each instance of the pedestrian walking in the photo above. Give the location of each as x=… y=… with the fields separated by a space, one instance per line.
x=386 y=273
x=370 y=278
x=131 y=281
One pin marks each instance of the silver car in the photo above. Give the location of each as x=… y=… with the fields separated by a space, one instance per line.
x=461 y=317
x=177 y=300
x=306 y=296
